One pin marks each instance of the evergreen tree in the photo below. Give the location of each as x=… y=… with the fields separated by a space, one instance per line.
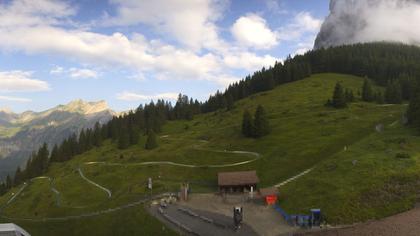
x=349 y=95
x=18 y=176
x=247 y=124
x=406 y=86
x=393 y=92
x=413 y=111
x=134 y=134
x=3 y=189
x=151 y=142
x=261 y=123
x=379 y=98
x=42 y=159
x=55 y=154
x=367 y=91
x=97 y=135
x=124 y=139
x=339 y=99
x=9 y=183
x=229 y=102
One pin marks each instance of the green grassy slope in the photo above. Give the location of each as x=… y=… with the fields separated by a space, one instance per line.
x=365 y=182
x=304 y=134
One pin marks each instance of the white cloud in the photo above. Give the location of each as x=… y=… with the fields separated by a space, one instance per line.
x=252 y=30
x=374 y=20
x=21 y=81
x=47 y=35
x=191 y=22
x=78 y=73
x=31 y=13
x=57 y=70
x=134 y=97
x=75 y=73
x=249 y=61
x=302 y=24
x=14 y=99
x=276 y=6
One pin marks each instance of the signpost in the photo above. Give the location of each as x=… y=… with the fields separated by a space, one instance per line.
x=150 y=186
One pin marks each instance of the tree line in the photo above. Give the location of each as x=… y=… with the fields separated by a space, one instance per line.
x=395 y=66
x=255 y=126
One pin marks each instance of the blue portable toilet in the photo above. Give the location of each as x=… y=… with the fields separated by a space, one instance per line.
x=315 y=217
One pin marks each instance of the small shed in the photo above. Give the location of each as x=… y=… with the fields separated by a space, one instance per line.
x=12 y=230
x=270 y=195
x=241 y=181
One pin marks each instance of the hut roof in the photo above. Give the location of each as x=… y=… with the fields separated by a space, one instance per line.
x=238 y=178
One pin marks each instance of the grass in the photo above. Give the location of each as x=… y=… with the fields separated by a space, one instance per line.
x=304 y=134
x=365 y=182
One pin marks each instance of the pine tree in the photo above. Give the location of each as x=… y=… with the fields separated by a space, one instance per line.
x=3 y=189
x=261 y=123
x=339 y=99
x=229 y=102
x=55 y=154
x=413 y=111
x=124 y=139
x=97 y=135
x=393 y=92
x=151 y=142
x=42 y=159
x=349 y=95
x=9 y=183
x=247 y=124
x=379 y=98
x=134 y=134
x=367 y=92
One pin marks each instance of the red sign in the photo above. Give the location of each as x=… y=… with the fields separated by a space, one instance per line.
x=272 y=199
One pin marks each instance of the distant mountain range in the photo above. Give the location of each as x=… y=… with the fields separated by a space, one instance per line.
x=20 y=134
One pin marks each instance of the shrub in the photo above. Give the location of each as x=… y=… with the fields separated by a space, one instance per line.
x=402 y=155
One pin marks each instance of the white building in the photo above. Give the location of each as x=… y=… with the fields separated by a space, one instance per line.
x=12 y=230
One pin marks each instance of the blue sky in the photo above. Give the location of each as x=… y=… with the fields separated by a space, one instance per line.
x=128 y=52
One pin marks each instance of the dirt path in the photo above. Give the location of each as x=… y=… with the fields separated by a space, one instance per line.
x=16 y=194
x=95 y=184
x=294 y=178
x=407 y=224
x=256 y=156
x=53 y=189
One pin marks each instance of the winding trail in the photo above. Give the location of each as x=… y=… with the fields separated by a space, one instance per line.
x=16 y=194
x=293 y=178
x=93 y=183
x=91 y=214
x=53 y=189
x=149 y=163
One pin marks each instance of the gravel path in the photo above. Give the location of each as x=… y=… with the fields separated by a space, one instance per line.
x=15 y=195
x=95 y=184
x=149 y=163
x=294 y=178
x=53 y=189
x=403 y=224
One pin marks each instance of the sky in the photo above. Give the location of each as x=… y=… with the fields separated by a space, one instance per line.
x=130 y=52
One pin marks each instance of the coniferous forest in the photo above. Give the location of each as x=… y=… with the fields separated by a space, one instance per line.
x=393 y=66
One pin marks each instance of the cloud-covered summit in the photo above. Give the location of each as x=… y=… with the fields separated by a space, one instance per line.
x=356 y=21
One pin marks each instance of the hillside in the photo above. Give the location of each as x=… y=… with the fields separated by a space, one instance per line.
x=20 y=134
x=305 y=134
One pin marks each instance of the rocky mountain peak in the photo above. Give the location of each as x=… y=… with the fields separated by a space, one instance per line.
x=84 y=107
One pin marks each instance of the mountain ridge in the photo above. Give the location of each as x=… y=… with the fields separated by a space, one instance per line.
x=21 y=133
